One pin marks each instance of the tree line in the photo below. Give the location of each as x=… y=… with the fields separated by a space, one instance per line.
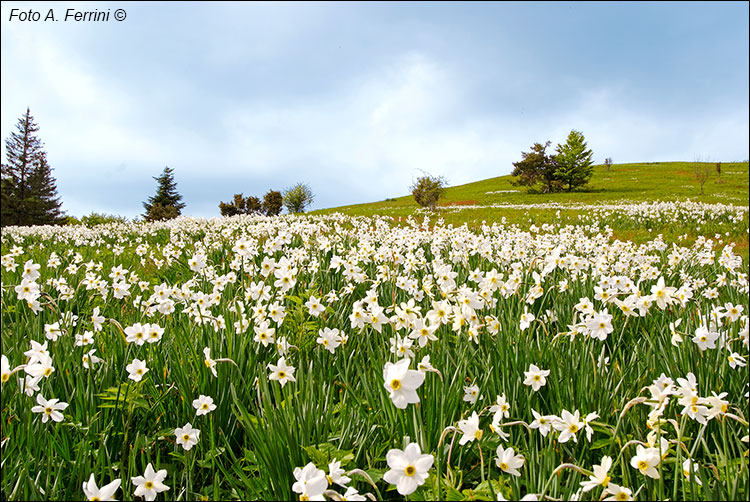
x=28 y=191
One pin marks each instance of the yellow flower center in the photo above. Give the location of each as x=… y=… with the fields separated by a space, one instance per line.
x=410 y=470
x=5 y=377
x=573 y=428
x=282 y=374
x=478 y=434
x=622 y=496
x=503 y=466
x=395 y=384
x=149 y=485
x=48 y=410
x=205 y=406
x=642 y=465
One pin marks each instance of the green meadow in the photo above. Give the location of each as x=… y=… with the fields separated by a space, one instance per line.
x=621 y=184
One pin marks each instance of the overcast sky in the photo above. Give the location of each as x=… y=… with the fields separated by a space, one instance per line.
x=357 y=99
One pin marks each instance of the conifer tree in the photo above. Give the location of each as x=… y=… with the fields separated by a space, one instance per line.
x=574 y=161
x=28 y=192
x=166 y=203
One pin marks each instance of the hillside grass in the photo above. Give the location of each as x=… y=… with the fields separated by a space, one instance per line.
x=623 y=183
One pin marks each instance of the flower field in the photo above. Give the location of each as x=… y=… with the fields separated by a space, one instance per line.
x=354 y=358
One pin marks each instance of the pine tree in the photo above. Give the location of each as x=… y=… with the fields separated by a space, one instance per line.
x=166 y=203
x=28 y=192
x=574 y=161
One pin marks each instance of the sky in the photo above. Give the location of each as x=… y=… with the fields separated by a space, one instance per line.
x=358 y=100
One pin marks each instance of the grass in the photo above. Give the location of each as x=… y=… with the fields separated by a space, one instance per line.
x=622 y=184
x=338 y=407
x=665 y=181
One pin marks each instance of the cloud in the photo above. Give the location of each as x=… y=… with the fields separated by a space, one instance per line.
x=266 y=95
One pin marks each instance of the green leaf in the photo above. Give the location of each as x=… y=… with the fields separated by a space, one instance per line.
x=325 y=453
x=125 y=394
x=601 y=443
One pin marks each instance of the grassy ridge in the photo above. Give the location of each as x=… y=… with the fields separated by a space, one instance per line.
x=666 y=181
x=623 y=183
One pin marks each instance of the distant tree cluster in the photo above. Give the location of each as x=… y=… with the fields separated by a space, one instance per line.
x=295 y=199
x=241 y=205
x=28 y=192
x=570 y=167
x=270 y=206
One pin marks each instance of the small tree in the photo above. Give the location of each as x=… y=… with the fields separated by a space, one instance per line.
x=608 y=163
x=298 y=197
x=166 y=203
x=574 y=161
x=428 y=189
x=718 y=172
x=537 y=167
x=28 y=192
x=702 y=172
x=272 y=203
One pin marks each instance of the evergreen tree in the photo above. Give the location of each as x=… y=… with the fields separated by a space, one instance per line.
x=166 y=203
x=28 y=192
x=574 y=161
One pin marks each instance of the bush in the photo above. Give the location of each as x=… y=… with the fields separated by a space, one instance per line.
x=102 y=218
x=428 y=189
x=94 y=219
x=297 y=198
x=272 y=203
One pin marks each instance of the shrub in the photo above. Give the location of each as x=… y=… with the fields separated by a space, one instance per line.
x=428 y=189
x=94 y=219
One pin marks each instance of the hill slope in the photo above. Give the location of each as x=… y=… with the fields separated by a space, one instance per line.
x=651 y=181
x=487 y=201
